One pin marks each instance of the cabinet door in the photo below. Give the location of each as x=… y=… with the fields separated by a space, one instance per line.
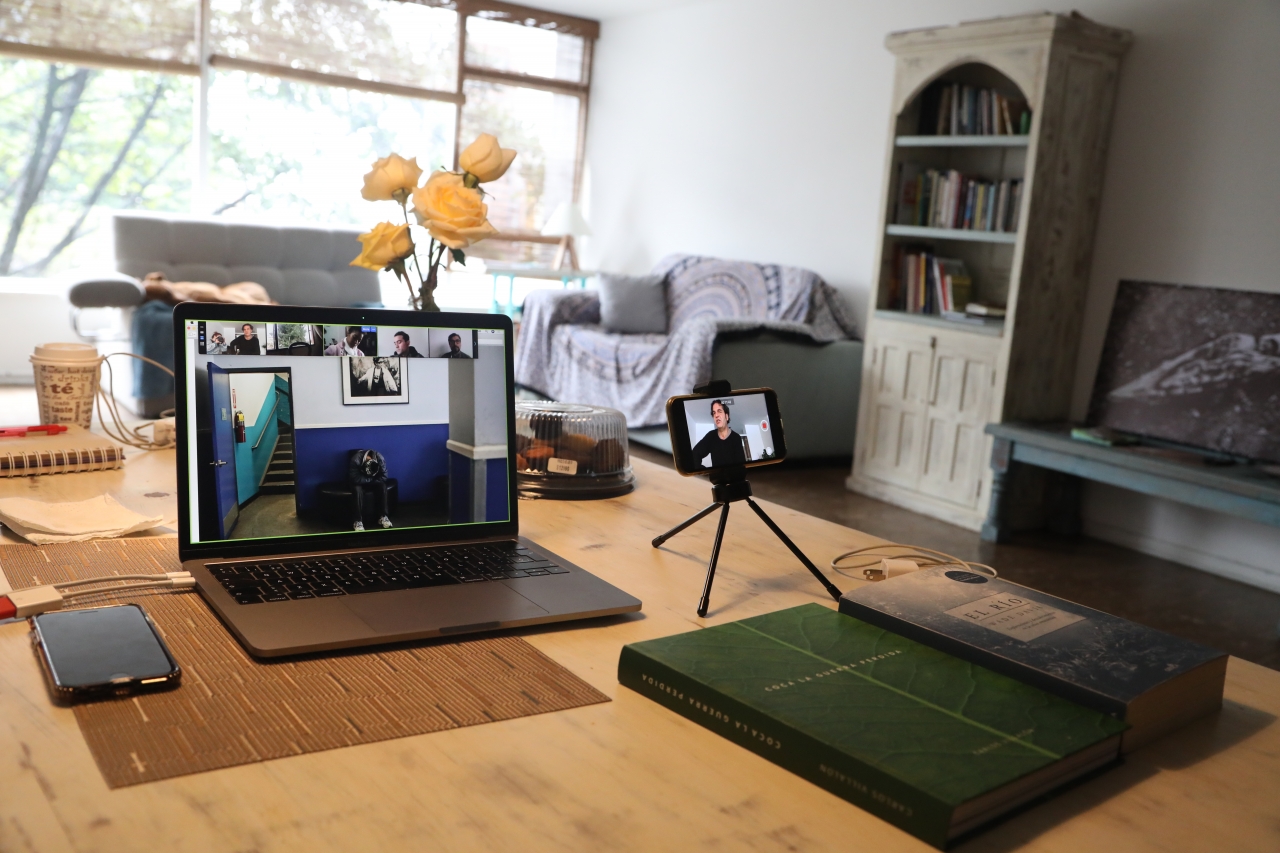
x=900 y=370
x=959 y=403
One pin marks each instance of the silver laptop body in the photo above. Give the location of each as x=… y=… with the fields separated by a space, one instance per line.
x=294 y=423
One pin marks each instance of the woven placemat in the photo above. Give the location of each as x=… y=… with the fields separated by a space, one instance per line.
x=231 y=709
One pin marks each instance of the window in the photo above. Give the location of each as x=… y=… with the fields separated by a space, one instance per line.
x=543 y=127
x=501 y=46
x=300 y=149
x=384 y=41
x=526 y=80
x=104 y=106
x=157 y=31
x=76 y=142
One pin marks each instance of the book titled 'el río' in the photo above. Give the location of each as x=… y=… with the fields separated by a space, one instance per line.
x=1154 y=681
x=926 y=741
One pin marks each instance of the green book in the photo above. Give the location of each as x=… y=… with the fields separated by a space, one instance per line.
x=925 y=741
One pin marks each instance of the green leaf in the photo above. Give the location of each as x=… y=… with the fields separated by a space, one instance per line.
x=458 y=256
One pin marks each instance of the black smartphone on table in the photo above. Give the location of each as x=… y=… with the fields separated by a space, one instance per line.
x=711 y=432
x=102 y=651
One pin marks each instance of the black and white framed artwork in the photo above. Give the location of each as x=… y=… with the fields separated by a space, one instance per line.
x=1193 y=365
x=370 y=380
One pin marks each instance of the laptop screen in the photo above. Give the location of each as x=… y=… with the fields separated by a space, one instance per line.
x=304 y=429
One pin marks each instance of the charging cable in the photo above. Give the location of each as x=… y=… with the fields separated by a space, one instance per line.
x=889 y=560
x=107 y=405
x=35 y=600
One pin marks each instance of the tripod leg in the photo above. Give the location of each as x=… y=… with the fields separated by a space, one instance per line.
x=715 y=556
x=830 y=587
x=693 y=519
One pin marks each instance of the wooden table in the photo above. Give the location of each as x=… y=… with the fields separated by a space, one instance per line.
x=625 y=775
x=146 y=484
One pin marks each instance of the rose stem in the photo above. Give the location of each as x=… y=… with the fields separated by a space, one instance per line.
x=417 y=264
x=404 y=276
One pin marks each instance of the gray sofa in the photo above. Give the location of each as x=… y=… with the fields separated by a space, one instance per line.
x=297 y=266
x=748 y=323
x=817 y=385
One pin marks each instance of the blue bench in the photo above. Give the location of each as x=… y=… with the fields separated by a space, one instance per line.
x=1038 y=468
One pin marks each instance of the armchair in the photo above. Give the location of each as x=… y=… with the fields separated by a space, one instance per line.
x=297 y=266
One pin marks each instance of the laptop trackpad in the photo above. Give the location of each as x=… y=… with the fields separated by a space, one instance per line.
x=442 y=608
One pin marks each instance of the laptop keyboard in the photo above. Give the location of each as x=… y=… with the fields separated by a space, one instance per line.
x=258 y=581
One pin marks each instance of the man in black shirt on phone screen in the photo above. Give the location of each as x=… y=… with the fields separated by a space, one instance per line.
x=722 y=444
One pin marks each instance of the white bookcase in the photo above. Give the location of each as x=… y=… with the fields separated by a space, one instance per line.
x=930 y=385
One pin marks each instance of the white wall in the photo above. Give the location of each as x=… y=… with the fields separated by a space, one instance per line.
x=249 y=392
x=756 y=129
x=42 y=305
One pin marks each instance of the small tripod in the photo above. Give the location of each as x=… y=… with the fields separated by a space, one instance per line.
x=728 y=486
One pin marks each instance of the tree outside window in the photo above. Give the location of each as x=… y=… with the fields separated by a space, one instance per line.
x=76 y=142
x=302 y=97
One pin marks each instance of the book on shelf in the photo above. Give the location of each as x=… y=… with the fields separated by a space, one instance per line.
x=77 y=449
x=928 y=284
x=1152 y=680
x=961 y=317
x=979 y=309
x=910 y=191
x=916 y=737
x=957 y=109
x=933 y=198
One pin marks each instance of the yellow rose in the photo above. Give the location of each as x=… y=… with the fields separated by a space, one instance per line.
x=392 y=178
x=384 y=245
x=453 y=212
x=484 y=159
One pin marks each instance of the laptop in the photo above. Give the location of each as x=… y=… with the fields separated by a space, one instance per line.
x=347 y=477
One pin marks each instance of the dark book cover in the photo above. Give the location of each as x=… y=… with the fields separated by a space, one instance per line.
x=930 y=285
x=1154 y=680
x=930 y=102
x=926 y=741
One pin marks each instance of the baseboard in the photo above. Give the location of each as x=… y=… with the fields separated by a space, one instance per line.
x=1179 y=553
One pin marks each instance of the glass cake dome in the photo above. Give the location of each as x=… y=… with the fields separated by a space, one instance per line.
x=571 y=451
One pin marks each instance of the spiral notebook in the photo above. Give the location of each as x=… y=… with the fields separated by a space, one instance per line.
x=77 y=449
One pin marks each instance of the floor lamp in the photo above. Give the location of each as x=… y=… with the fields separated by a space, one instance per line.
x=566 y=222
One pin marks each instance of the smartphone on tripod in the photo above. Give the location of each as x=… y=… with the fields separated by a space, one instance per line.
x=717 y=432
x=721 y=433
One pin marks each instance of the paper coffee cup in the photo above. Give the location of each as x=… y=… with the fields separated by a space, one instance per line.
x=67 y=379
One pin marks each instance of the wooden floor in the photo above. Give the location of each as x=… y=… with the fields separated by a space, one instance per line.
x=1227 y=615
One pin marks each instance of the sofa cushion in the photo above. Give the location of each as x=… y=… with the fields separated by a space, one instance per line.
x=297 y=265
x=633 y=304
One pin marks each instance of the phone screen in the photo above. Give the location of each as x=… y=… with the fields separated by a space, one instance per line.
x=94 y=647
x=729 y=430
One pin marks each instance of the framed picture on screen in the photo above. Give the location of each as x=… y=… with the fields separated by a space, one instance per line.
x=368 y=380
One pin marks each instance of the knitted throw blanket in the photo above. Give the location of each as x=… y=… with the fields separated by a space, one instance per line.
x=565 y=354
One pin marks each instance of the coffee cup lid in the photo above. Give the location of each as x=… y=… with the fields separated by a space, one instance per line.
x=76 y=352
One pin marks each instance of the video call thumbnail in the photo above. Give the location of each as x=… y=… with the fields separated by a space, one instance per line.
x=300 y=339
x=729 y=430
x=309 y=429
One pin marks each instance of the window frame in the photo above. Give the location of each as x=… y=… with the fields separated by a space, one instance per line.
x=585 y=28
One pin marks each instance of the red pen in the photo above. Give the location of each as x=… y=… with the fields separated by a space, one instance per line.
x=17 y=432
